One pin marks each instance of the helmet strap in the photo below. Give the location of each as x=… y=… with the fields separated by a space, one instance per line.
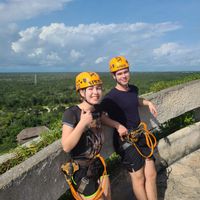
x=86 y=99
x=88 y=102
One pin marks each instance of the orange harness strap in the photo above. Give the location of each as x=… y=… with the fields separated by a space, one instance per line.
x=101 y=187
x=150 y=139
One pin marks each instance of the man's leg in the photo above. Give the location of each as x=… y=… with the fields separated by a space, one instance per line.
x=150 y=179
x=138 y=184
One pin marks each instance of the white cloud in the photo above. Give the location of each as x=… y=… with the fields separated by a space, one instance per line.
x=91 y=45
x=14 y=10
x=84 y=44
x=52 y=57
x=75 y=55
x=36 y=52
x=100 y=59
x=174 y=54
x=167 y=49
x=27 y=37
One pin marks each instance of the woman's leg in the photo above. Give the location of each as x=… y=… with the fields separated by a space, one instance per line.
x=107 y=190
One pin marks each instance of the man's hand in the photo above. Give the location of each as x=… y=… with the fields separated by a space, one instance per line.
x=152 y=109
x=122 y=130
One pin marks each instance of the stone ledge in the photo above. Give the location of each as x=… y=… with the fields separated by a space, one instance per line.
x=179 y=144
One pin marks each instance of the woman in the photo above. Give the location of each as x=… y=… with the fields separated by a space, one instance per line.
x=82 y=136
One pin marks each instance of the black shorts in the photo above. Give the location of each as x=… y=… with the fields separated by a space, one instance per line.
x=96 y=171
x=131 y=158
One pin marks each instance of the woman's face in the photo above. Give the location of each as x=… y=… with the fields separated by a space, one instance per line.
x=93 y=94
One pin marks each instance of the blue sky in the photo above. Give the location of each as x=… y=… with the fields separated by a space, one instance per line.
x=82 y=35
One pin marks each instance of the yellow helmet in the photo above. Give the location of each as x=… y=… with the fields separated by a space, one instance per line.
x=118 y=63
x=87 y=79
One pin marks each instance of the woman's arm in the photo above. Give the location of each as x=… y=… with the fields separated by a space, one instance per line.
x=71 y=136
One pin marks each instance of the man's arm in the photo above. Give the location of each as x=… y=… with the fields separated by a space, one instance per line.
x=122 y=130
x=152 y=108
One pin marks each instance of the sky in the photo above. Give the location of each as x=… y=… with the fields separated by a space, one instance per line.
x=83 y=35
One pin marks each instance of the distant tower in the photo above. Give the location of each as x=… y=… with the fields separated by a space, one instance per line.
x=35 y=80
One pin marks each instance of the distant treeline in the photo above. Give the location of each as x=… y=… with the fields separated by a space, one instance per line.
x=33 y=99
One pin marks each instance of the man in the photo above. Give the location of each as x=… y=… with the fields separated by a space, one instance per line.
x=121 y=104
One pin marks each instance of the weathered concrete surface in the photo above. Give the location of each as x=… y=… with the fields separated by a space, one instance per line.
x=28 y=134
x=121 y=187
x=180 y=181
x=40 y=177
x=172 y=102
x=5 y=157
x=8 y=156
x=179 y=144
x=197 y=114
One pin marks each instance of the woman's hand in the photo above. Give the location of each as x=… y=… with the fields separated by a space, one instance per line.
x=86 y=117
x=70 y=135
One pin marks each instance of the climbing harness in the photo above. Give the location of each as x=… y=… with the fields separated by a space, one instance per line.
x=72 y=166
x=133 y=136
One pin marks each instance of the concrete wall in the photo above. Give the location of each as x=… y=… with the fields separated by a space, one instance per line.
x=39 y=177
x=177 y=145
x=173 y=102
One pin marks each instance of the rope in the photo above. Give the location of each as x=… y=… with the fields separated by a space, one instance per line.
x=149 y=137
x=101 y=187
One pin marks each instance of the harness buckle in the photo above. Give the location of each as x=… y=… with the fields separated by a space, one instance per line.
x=69 y=169
x=84 y=182
x=125 y=145
x=133 y=135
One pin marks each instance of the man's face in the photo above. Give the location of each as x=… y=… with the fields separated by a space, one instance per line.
x=122 y=76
